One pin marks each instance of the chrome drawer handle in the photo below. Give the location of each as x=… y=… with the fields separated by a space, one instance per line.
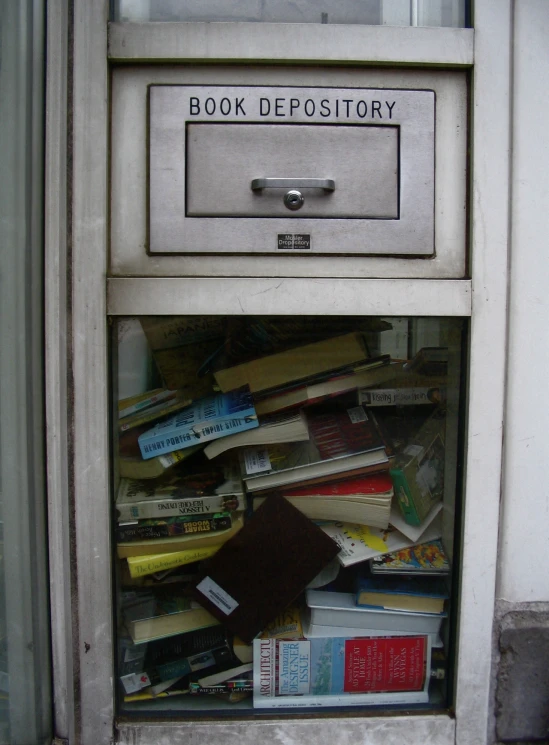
x=327 y=184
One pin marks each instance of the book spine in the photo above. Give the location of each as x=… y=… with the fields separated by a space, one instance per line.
x=229 y=686
x=348 y=699
x=171 y=507
x=152 y=414
x=182 y=525
x=144 y=403
x=140 y=566
x=158 y=443
x=404 y=497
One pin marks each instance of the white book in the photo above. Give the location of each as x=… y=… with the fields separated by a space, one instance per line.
x=316 y=630
x=339 y=609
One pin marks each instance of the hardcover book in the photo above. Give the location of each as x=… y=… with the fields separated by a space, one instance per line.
x=144 y=565
x=329 y=608
x=262 y=570
x=342 y=440
x=293 y=364
x=339 y=671
x=204 y=420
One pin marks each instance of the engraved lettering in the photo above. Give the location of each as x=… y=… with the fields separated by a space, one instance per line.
x=348 y=101
x=264 y=107
x=309 y=107
x=376 y=106
x=363 y=109
x=194 y=106
x=225 y=104
x=279 y=106
x=294 y=104
x=239 y=105
x=209 y=103
x=325 y=108
x=390 y=107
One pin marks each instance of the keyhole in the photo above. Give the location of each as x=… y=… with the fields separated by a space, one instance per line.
x=293 y=199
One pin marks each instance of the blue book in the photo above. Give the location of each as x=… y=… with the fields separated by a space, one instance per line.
x=206 y=419
x=414 y=594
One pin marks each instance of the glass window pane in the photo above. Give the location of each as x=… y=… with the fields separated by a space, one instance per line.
x=369 y=12
x=345 y=433
x=25 y=692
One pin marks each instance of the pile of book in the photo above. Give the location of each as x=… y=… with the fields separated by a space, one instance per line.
x=272 y=492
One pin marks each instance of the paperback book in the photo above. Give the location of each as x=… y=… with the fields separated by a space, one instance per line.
x=165 y=615
x=205 y=491
x=339 y=671
x=206 y=419
x=428 y=557
x=173 y=526
x=361 y=542
x=280 y=428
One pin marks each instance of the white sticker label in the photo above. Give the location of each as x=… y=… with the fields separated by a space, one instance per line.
x=217 y=595
x=135 y=682
x=256 y=460
x=357 y=414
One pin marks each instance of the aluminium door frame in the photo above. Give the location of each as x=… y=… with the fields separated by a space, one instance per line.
x=80 y=466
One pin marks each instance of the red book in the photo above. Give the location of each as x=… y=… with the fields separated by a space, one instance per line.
x=376 y=483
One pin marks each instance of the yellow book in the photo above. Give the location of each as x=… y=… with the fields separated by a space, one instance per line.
x=140 y=566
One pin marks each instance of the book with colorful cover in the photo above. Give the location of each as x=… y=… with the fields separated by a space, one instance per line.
x=204 y=420
x=428 y=557
x=342 y=440
x=361 y=542
x=341 y=672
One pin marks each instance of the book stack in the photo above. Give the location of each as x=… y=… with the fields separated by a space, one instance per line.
x=271 y=489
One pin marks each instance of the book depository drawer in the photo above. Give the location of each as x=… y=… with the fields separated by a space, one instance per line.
x=275 y=170
x=331 y=171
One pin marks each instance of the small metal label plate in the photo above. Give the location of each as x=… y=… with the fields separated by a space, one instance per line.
x=291 y=241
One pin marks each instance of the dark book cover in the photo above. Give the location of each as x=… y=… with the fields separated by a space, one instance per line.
x=261 y=570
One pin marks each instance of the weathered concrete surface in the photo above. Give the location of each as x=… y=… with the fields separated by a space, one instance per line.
x=522 y=693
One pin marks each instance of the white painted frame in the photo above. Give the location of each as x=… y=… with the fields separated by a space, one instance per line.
x=89 y=373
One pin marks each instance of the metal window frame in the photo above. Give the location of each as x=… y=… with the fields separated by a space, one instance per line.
x=483 y=297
